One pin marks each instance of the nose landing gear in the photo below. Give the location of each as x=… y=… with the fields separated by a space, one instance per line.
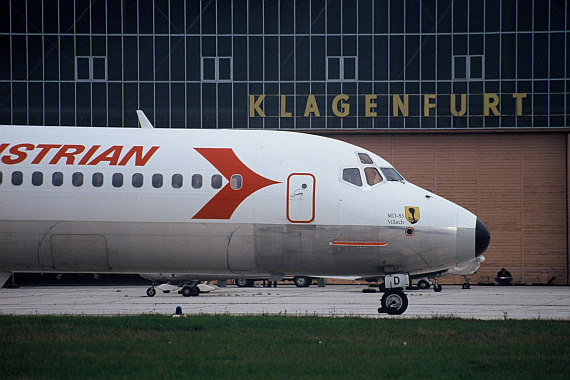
x=393 y=302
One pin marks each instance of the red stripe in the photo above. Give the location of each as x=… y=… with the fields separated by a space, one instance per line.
x=359 y=243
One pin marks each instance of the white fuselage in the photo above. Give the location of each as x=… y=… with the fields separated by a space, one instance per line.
x=216 y=203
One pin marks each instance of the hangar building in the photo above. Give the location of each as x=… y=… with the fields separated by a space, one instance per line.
x=466 y=98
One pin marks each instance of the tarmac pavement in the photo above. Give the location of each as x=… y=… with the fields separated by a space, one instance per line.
x=479 y=302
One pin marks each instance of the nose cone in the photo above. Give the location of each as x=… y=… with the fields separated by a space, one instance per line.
x=482 y=238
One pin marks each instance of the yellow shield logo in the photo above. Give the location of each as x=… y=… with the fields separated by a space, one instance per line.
x=412 y=214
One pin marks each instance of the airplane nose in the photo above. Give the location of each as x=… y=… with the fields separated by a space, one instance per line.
x=482 y=238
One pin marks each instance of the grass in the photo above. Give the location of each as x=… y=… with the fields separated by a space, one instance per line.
x=280 y=347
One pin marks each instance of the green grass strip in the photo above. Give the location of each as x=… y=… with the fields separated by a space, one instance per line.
x=274 y=347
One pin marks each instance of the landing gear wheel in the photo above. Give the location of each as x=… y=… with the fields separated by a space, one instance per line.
x=244 y=283
x=393 y=302
x=423 y=284
x=466 y=285
x=151 y=292
x=303 y=282
x=437 y=288
x=188 y=291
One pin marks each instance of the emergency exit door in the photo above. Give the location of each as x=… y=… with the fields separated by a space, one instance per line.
x=301 y=198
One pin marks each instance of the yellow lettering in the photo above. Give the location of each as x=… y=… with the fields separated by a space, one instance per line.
x=345 y=106
x=397 y=105
x=369 y=104
x=284 y=113
x=490 y=102
x=519 y=96
x=254 y=105
x=311 y=106
x=427 y=104
x=453 y=108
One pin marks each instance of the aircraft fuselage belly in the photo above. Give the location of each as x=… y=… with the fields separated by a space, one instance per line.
x=218 y=249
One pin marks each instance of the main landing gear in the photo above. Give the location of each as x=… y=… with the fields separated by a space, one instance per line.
x=188 y=290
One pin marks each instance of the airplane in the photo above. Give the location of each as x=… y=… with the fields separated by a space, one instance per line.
x=222 y=204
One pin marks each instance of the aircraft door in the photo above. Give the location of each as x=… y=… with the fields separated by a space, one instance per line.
x=301 y=198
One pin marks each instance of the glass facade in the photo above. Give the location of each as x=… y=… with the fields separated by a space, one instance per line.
x=286 y=64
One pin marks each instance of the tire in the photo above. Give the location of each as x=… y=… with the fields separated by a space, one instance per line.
x=151 y=292
x=437 y=288
x=394 y=302
x=303 y=282
x=423 y=284
x=195 y=291
x=466 y=285
x=244 y=283
x=186 y=291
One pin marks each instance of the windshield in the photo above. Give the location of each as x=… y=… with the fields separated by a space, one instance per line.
x=391 y=174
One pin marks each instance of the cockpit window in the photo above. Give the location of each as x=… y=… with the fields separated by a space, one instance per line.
x=391 y=174
x=372 y=176
x=352 y=175
x=365 y=159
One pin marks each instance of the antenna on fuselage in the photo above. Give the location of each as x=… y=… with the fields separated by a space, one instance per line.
x=143 y=120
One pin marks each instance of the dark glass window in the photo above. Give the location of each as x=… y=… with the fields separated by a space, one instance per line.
x=365 y=159
x=137 y=180
x=216 y=181
x=82 y=68
x=196 y=181
x=352 y=175
x=373 y=177
x=391 y=174
x=0 y=178
x=287 y=16
x=37 y=178
x=177 y=181
x=97 y=179
x=255 y=17
x=349 y=16
x=236 y=182
x=157 y=181
x=161 y=22
x=317 y=16
x=57 y=179
x=224 y=16
x=77 y=179
x=17 y=178
x=117 y=180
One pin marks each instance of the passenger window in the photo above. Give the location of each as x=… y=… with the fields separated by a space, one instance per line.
x=372 y=176
x=98 y=179
x=157 y=181
x=216 y=181
x=235 y=182
x=137 y=180
x=17 y=178
x=177 y=181
x=117 y=180
x=37 y=178
x=365 y=159
x=352 y=175
x=197 y=181
x=57 y=179
x=77 y=179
